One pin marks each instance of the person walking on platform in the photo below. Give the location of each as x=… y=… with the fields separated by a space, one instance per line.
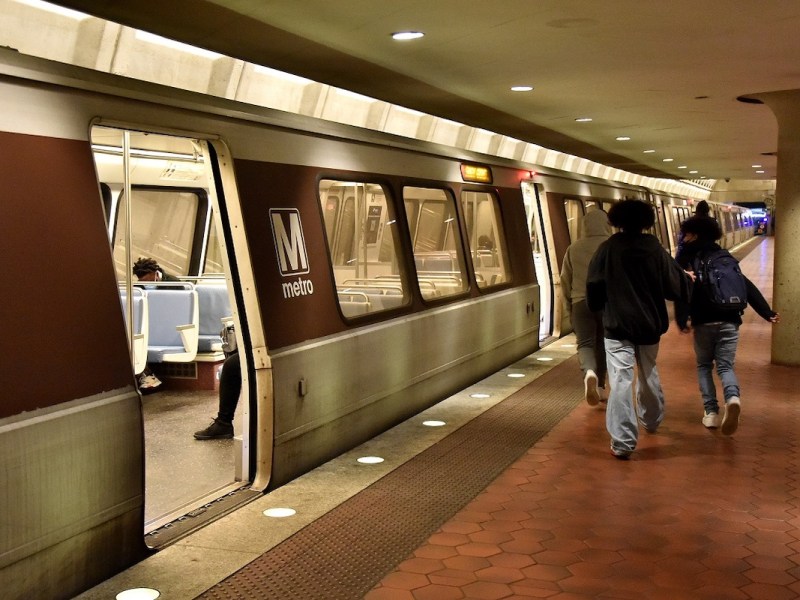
x=702 y=215
x=716 y=327
x=588 y=325
x=629 y=279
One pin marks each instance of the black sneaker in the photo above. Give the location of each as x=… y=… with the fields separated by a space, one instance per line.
x=216 y=431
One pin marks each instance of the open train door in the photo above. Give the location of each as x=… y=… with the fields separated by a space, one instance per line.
x=540 y=247
x=163 y=199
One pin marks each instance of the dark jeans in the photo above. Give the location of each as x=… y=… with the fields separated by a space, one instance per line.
x=588 y=328
x=230 y=386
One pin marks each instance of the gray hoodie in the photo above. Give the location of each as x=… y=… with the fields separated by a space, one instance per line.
x=594 y=231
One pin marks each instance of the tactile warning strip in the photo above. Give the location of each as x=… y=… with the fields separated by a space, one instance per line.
x=346 y=552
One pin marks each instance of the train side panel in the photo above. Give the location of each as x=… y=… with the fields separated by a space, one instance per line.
x=66 y=377
x=338 y=383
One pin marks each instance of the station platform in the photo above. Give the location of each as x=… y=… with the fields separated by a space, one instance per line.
x=508 y=490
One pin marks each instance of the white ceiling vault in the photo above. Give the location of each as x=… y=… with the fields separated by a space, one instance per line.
x=667 y=75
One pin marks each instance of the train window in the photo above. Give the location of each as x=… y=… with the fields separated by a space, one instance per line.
x=169 y=205
x=163 y=227
x=486 y=238
x=360 y=228
x=677 y=219
x=574 y=210
x=213 y=259
x=436 y=241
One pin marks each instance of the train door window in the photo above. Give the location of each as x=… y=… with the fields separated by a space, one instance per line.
x=360 y=228
x=575 y=211
x=677 y=219
x=168 y=216
x=662 y=225
x=436 y=241
x=536 y=218
x=656 y=229
x=213 y=263
x=486 y=238
x=163 y=227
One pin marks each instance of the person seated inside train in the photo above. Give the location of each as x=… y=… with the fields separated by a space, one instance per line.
x=230 y=387
x=148 y=270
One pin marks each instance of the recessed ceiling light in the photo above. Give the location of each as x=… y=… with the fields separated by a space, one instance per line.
x=521 y=88
x=583 y=119
x=692 y=172
x=648 y=151
x=370 y=460
x=545 y=358
x=682 y=166
x=515 y=375
x=479 y=395
x=668 y=159
x=623 y=138
x=760 y=171
x=756 y=166
x=434 y=423
x=407 y=35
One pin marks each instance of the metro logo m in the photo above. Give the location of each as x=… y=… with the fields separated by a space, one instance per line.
x=290 y=245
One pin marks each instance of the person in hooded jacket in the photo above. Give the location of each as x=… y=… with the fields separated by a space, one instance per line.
x=701 y=218
x=588 y=325
x=716 y=330
x=630 y=277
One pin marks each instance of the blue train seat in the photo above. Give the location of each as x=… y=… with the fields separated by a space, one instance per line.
x=215 y=307
x=140 y=325
x=174 y=324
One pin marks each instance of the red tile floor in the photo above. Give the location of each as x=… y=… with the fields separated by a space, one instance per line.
x=693 y=514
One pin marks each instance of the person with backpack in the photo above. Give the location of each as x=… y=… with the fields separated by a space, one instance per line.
x=721 y=293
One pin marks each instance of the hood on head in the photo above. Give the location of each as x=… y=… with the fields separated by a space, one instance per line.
x=595 y=222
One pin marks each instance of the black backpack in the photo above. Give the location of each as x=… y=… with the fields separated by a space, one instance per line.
x=720 y=279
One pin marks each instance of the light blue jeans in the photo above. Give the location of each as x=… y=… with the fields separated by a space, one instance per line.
x=716 y=342
x=622 y=423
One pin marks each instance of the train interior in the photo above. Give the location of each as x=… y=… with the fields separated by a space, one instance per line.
x=174 y=327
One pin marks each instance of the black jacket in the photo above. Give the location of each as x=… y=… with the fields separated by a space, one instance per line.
x=629 y=278
x=700 y=308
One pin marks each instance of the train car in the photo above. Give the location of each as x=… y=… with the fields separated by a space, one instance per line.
x=351 y=263
x=366 y=276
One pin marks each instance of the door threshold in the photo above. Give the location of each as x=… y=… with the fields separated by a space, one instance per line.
x=167 y=530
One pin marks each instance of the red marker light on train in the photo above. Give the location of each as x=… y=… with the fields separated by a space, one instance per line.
x=476 y=173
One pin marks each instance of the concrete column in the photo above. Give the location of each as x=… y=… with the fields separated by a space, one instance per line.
x=786 y=279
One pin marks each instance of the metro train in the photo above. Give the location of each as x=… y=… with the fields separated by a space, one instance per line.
x=367 y=276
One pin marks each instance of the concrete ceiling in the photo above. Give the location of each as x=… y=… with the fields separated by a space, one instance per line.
x=665 y=74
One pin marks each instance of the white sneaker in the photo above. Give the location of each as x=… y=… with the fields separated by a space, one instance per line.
x=711 y=420
x=590 y=392
x=730 y=422
x=148 y=382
